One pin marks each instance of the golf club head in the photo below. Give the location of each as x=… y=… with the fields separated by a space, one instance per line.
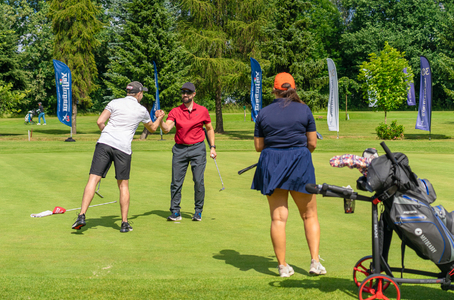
x=99 y=194
x=223 y=188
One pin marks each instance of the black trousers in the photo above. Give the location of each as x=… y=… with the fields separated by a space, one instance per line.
x=182 y=156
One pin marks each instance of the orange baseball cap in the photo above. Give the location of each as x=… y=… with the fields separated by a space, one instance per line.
x=282 y=78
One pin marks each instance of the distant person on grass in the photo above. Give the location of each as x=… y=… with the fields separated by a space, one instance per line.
x=114 y=145
x=41 y=114
x=285 y=134
x=189 y=147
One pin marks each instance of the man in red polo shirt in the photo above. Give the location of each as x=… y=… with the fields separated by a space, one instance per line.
x=189 y=147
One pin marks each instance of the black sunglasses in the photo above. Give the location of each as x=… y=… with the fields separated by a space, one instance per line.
x=186 y=92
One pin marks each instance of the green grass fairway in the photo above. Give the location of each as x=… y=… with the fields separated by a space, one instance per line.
x=226 y=256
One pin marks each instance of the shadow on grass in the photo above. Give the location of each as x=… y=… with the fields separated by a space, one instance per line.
x=113 y=221
x=324 y=284
x=162 y=213
x=246 y=262
x=10 y=134
x=240 y=134
x=104 y=221
x=426 y=136
x=327 y=284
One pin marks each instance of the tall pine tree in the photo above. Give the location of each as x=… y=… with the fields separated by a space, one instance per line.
x=220 y=36
x=146 y=35
x=291 y=47
x=75 y=24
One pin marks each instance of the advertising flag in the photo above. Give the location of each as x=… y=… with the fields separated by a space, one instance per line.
x=156 y=105
x=333 y=102
x=64 y=92
x=256 y=88
x=425 y=97
x=411 y=101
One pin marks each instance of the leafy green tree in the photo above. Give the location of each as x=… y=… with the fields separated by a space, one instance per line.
x=37 y=46
x=384 y=80
x=326 y=25
x=346 y=86
x=408 y=25
x=446 y=62
x=10 y=99
x=75 y=25
x=220 y=36
x=11 y=59
x=292 y=47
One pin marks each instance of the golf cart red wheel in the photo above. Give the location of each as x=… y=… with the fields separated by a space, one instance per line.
x=361 y=270
x=373 y=288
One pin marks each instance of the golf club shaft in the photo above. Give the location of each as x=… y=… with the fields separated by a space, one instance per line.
x=219 y=172
x=208 y=142
x=92 y=205
x=97 y=192
x=247 y=169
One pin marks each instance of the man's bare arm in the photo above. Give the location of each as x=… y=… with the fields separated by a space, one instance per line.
x=105 y=115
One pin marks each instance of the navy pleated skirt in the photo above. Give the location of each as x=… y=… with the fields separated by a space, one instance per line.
x=284 y=168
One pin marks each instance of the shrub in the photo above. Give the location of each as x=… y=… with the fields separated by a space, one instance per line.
x=390 y=132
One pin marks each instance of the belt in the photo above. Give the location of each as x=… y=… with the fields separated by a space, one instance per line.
x=190 y=145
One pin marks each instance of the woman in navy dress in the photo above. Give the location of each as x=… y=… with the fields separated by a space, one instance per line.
x=285 y=134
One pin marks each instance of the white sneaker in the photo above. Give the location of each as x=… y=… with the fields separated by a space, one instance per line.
x=285 y=271
x=38 y=124
x=316 y=268
x=44 y=124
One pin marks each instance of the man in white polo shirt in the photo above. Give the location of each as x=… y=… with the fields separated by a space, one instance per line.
x=114 y=145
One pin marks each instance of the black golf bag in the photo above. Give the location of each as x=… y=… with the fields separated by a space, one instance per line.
x=428 y=230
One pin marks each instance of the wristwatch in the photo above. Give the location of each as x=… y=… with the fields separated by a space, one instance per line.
x=214 y=146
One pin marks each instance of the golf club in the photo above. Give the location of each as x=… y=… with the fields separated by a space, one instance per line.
x=97 y=192
x=223 y=188
x=61 y=210
x=208 y=142
x=247 y=169
x=92 y=205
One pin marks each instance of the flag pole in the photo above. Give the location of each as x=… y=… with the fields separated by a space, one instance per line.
x=70 y=139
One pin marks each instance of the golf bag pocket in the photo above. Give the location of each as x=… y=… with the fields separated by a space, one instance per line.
x=420 y=228
x=446 y=217
x=427 y=189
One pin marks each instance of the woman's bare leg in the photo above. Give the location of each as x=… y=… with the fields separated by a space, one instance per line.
x=278 y=202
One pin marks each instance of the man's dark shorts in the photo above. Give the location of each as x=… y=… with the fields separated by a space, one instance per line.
x=102 y=160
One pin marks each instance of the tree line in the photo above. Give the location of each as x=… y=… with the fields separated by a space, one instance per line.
x=108 y=43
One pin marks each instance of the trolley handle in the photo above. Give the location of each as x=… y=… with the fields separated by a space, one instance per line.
x=388 y=153
x=335 y=191
x=326 y=188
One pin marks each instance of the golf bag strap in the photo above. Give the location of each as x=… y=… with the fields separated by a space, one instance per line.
x=388 y=193
x=402 y=248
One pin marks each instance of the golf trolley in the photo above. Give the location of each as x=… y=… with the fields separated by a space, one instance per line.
x=391 y=188
x=29 y=117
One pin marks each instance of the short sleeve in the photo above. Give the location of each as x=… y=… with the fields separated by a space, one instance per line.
x=207 y=118
x=258 y=132
x=310 y=121
x=146 y=116
x=171 y=115
x=110 y=106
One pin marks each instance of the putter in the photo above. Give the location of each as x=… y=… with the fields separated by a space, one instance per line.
x=97 y=192
x=247 y=169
